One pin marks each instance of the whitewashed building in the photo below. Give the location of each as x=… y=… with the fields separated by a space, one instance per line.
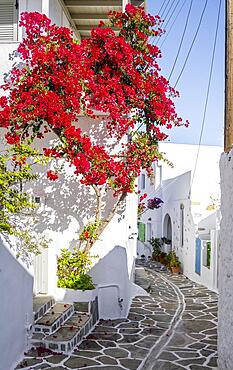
x=189 y=216
x=64 y=206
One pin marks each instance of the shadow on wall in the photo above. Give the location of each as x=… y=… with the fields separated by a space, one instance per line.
x=67 y=205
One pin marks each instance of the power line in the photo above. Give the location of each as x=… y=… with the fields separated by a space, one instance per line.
x=207 y=93
x=166 y=24
x=182 y=39
x=171 y=6
x=161 y=8
x=173 y=23
x=164 y=10
x=157 y=39
x=191 y=46
x=160 y=15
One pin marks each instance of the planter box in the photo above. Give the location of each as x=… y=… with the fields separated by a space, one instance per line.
x=71 y=295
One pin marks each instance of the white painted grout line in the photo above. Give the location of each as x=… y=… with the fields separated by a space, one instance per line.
x=162 y=342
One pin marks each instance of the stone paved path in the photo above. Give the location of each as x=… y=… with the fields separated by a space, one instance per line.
x=172 y=329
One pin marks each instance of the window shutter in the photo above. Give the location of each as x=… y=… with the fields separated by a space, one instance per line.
x=8 y=20
x=141 y=231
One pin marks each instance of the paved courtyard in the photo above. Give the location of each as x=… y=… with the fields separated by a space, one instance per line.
x=174 y=328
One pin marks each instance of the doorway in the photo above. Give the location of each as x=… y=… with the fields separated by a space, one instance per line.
x=167 y=227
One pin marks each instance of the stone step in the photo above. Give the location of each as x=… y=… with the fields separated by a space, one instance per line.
x=41 y=304
x=68 y=336
x=54 y=318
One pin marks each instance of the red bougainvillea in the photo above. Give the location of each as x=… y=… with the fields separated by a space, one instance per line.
x=117 y=75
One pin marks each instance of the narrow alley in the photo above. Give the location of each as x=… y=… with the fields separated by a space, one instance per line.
x=173 y=328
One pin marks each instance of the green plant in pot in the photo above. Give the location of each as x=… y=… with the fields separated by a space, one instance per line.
x=165 y=240
x=156 y=244
x=163 y=258
x=174 y=263
x=72 y=268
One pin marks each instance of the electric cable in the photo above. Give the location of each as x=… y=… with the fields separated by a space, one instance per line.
x=173 y=23
x=161 y=8
x=182 y=39
x=207 y=93
x=172 y=13
x=170 y=8
x=164 y=10
x=192 y=43
x=157 y=38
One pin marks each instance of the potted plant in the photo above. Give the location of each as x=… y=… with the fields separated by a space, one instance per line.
x=163 y=256
x=74 y=284
x=156 y=245
x=174 y=263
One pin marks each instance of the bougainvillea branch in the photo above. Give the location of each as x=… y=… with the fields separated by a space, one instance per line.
x=117 y=75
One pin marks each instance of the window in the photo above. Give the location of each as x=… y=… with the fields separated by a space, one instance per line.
x=8 y=20
x=141 y=231
x=143 y=181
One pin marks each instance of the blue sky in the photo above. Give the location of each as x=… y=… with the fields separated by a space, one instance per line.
x=193 y=83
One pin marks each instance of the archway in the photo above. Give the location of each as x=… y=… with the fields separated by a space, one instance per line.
x=167 y=228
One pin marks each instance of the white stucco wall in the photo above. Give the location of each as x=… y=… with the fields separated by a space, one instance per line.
x=225 y=315
x=206 y=183
x=57 y=14
x=15 y=308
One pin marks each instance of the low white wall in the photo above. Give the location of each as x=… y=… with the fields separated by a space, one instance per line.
x=15 y=308
x=225 y=314
x=116 y=252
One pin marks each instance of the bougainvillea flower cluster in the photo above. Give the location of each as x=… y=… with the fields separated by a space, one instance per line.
x=113 y=79
x=154 y=203
x=62 y=79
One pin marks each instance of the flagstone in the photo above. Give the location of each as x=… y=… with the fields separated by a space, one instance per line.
x=79 y=362
x=56 y=359
x=107 y=360
x=116 y=352
x=131 y=364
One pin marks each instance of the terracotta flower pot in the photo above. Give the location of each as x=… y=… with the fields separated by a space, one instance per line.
x=175 y=270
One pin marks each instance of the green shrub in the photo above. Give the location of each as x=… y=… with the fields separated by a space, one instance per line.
x=72 y=267
x=173 y=259
x=156 y=244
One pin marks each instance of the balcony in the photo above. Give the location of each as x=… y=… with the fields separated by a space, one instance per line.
x=87 y=14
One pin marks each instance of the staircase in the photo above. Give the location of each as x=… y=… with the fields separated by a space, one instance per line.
x=61 y=326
